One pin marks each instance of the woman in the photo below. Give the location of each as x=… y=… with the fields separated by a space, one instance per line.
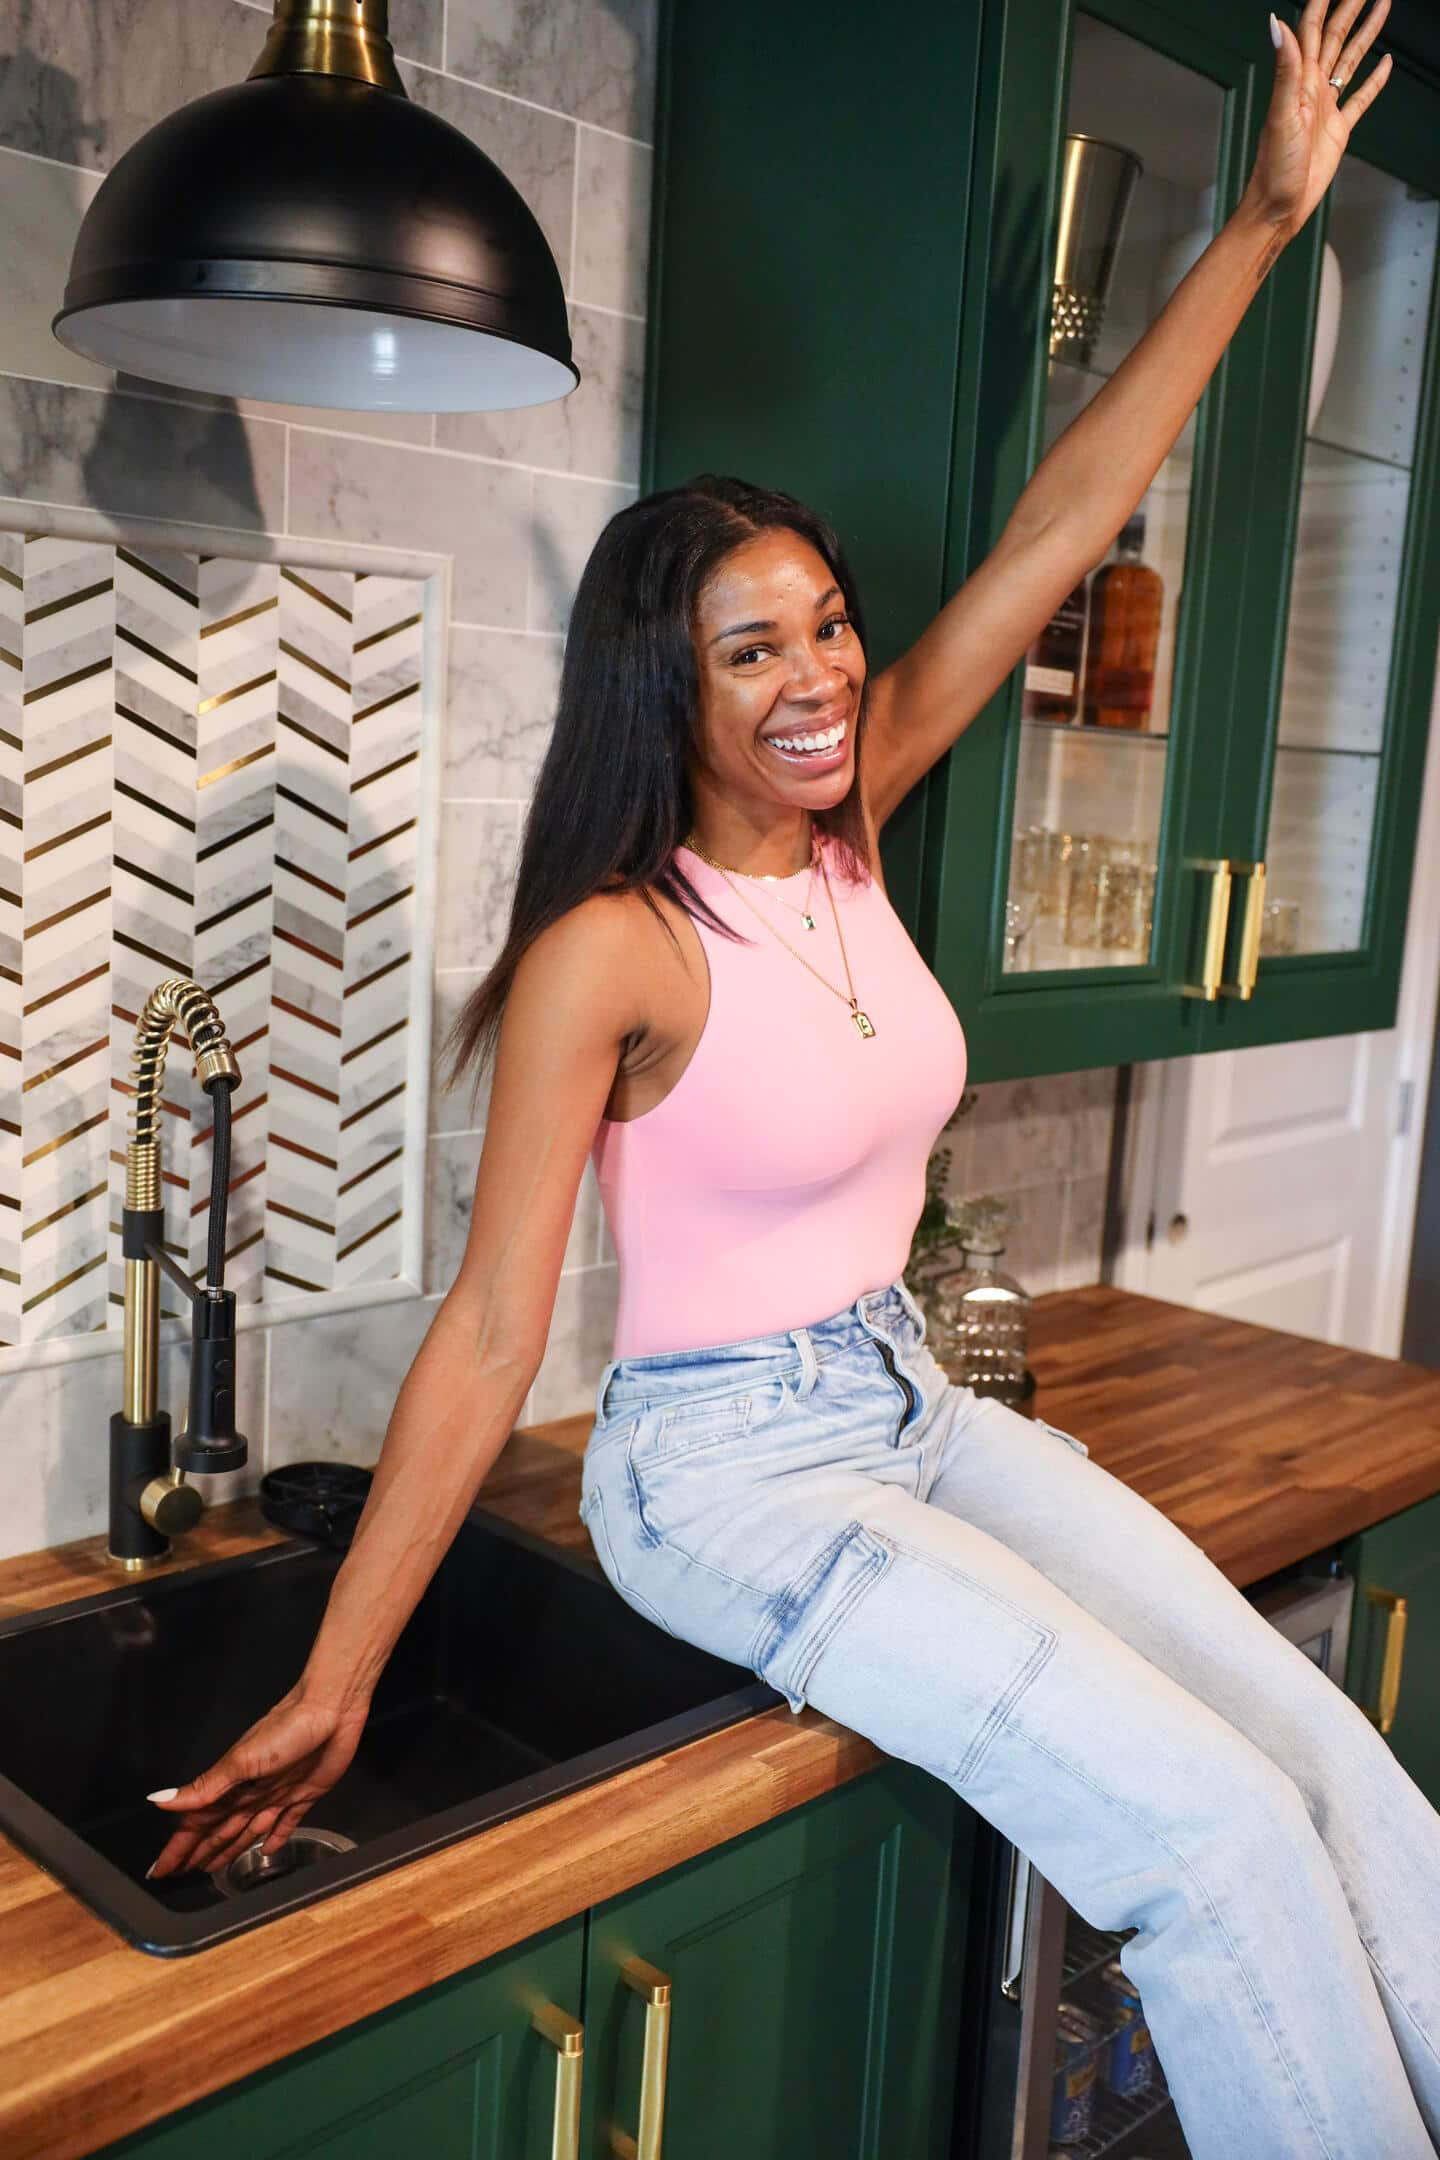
x=705 y=983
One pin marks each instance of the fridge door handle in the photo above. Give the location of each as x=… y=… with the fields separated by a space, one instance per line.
x=1017 y=1920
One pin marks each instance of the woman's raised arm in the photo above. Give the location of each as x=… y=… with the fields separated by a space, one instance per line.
x=1091 y=479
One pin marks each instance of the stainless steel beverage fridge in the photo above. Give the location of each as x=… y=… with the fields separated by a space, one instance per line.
x=1056 y=2061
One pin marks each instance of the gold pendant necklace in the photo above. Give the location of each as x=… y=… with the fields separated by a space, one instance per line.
x=765 y=877
x=864 y=1025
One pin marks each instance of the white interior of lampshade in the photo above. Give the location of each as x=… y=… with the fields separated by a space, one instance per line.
x=301 y=352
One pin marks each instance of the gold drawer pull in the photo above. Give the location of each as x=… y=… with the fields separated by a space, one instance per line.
x=1397 y=1614
x=1213 y=965
x=1249 y=930
x=653 y=1988
x=567 y=2036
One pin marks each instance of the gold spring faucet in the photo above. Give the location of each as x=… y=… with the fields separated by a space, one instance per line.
x=150 y=1502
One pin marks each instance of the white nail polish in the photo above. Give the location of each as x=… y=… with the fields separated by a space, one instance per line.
x=1274 y=32
x=167 y=1792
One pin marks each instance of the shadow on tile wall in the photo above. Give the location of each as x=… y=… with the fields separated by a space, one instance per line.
x=561 y=94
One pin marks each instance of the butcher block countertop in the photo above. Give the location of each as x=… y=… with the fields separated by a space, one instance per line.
x=1263 y=1446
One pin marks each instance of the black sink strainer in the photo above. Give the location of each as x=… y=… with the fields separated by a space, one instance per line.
x=319 y=1499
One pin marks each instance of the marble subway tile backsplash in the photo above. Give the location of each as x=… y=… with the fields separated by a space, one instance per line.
x=560 y=93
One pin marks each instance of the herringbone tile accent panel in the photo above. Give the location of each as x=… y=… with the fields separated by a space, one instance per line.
x=209 y=768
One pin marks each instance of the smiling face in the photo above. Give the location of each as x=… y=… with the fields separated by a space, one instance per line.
x=781 y=671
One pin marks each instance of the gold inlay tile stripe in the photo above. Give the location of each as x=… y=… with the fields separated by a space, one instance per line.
x=43 y=847
x=286 y=719
x=380 y=838
x=63 y=1139
x=235 y=764
x=360 y=1048
x=125 y=635
x=69 y=600
x=76 y=982
x=293 y=577
x=353 y=922
x=343 y=1252
x=152 y=877
x=283 y=862
x=86 y=1267
x=158 y=577
x=378 y=637
x=153 y=727
x=293 y=652
x=349 y=1183
x=64 y=914
x=236 y=907
x=64 y=682
x=242 y=832
x=313 y=1222
x=311 y=1087
x=383 y=772
x=224 y=697
x=58 y=1214
x=149 y=802
x=369 y=1109
x=298 y=1012
x=71 y=757
x=328 y=816
x=381 y=703
x=296 y=1282
x=298 y=1147
x=228 y=622
x=39 y=1079
x=12 y=657
x=366 y=980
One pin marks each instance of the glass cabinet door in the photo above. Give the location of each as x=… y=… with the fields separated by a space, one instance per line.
x=1137 y=205
x=1325 y=788
x=1113 y=139
x=1356 y=486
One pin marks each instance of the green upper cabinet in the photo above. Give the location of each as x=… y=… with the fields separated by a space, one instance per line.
x=857 y=241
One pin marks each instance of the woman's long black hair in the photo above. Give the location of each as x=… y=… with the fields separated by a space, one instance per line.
x=613 y=798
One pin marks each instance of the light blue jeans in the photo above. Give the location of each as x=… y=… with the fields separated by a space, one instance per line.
x=962 y=1585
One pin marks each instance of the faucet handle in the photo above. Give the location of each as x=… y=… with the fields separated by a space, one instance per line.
x=171 y=1506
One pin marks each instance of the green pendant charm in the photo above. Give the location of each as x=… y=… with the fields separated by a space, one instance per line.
x=808 y=921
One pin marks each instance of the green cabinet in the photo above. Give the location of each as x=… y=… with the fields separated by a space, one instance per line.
x=864 y=310
x=1393 y=1668
x=814 y=1971
x=461 y=2072
x=803 y=1990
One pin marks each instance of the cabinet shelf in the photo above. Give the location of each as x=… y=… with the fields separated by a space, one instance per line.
x=1082 y=731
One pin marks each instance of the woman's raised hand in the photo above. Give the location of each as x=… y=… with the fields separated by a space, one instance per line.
x=1309 y=121
x=263 y=1785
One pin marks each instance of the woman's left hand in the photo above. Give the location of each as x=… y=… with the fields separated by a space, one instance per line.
x=1307 y=126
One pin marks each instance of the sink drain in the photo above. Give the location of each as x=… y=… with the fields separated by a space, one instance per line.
x=252 y=1869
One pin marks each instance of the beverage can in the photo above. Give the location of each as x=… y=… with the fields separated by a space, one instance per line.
x=1072 y=2105
x=1127 y=2060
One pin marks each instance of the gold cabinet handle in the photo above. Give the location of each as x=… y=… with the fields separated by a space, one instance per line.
x=1397 y=1615
x=567 y=2036
x=1213 y=964
x=653 y=1988
x=1249 y=930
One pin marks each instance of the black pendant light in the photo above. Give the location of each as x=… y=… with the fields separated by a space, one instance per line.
x=312 y=236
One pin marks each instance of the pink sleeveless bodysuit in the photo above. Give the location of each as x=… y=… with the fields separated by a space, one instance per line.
x=783 y=1175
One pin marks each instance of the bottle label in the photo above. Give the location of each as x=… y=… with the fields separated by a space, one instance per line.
x=1054 y=681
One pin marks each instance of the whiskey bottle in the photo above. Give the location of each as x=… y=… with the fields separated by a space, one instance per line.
x=1052 y=665
x=1126 y=598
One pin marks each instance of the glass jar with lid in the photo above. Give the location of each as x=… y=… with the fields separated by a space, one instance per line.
x=980 y=1313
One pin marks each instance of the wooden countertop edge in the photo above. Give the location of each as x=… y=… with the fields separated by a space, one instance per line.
x=107 y=2040
x=79 y=2073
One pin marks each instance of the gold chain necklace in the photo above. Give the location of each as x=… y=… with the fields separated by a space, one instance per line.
x=864 y=1025
x=762 y=877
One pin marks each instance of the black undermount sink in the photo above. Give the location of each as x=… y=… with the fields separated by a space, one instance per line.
x=521 y=1677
